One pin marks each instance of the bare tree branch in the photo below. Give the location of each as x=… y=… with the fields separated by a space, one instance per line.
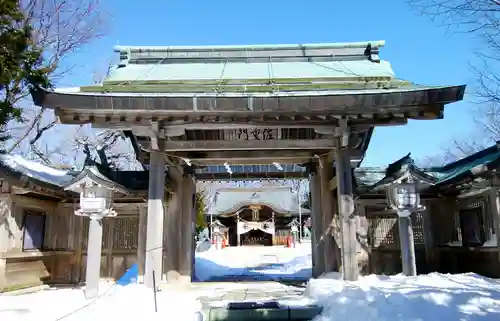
x=62 y=28
x=479 y=19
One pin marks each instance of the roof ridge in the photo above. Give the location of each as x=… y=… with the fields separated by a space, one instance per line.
x=482 y=153
x=161 y=54
x=319 y=45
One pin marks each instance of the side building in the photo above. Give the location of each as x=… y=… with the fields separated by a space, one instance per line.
x=459 y=230
x=42 y=241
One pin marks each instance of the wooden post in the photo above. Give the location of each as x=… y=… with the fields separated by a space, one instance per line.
x=173 y=238
x=428 y=242
x=109 y=249
x=318 y=259
x=330 y=251
x=363 y=248
x=154 y=237
x=347 y=214
x=238 y=236
x=78 y=232
x=3 y=274
x=407 y=244
x=141 y=242
x=187 y=224
x=494 y=202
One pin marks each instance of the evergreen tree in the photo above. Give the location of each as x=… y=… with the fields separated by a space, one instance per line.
x=20 y=63
x=201 y=208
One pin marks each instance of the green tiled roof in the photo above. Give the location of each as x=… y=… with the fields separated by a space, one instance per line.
x=238 y=72
x=474 y=164
x=257 y=68
x=470 y=166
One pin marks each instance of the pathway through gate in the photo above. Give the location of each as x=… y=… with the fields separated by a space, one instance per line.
x=255 y=263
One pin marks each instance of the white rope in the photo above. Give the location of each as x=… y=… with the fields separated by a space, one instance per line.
x=221 y=79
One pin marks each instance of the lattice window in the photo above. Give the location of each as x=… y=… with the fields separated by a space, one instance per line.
x=85 y=232
x=383 y=231
x=105 y=232
x=125 y=233
x=417 y=222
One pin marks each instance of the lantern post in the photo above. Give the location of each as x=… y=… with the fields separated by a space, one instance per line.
x=294 y=229
x=404 y=198
x=216 y=233
x=96 y=202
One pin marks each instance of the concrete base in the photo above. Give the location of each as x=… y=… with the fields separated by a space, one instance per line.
x=174 y=277
x=258 y=311
x=91 y=293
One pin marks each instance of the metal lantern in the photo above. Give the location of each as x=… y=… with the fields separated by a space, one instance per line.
x=96 y=200
x=216 y=229
x=404 y=196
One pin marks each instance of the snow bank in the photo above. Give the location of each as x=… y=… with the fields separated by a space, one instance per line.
x=36 y=170
x=131 y=302
x=425 y=297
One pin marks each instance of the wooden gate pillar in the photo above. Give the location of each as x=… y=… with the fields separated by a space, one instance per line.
x=347 y=214
x=318 y=259
x=154 y=237
x=187 y=227
x=331 y=248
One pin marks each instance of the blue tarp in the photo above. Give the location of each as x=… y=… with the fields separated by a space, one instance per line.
x=130 y=276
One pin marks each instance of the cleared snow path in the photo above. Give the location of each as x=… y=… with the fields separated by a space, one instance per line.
x=254 y=263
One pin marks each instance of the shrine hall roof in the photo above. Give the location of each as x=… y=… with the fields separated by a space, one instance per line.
x=279 y=199
x=454 y=173
x=37 y=176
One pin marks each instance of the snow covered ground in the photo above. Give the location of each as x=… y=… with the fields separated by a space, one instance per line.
x=432 y=297
x=254 y=262
x=131 y=302
x=429 y=297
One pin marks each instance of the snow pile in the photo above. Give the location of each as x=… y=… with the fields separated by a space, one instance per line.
x=425 y=297
x=36 y=170
x=131 y=302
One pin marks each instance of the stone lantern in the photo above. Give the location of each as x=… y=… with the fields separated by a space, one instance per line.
x=404 y=198
x=216 y=227
x=96 y=202
x=294 y=229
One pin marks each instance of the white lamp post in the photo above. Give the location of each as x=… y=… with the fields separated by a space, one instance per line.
x=96 y=202
x=404 y=198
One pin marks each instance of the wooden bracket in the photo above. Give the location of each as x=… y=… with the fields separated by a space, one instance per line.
x=345 y=133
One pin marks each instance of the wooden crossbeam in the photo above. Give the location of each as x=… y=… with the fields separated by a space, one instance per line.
x=214 y=145
x=250 y=176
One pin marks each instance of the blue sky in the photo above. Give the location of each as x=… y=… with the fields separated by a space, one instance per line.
x=417 y=49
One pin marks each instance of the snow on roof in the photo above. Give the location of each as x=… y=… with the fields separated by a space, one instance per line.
x=280 y=199
x=36 y=170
